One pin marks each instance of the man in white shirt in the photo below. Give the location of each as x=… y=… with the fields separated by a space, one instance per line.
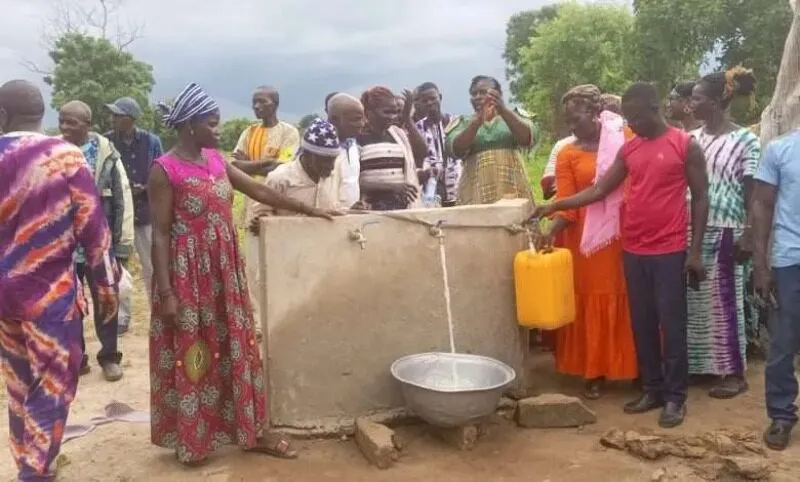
x=311 y=177
x=346 y=113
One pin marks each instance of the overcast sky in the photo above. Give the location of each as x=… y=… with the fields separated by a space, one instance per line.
x=306 y=48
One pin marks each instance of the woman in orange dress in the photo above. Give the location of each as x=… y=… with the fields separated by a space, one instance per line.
x=599 y=344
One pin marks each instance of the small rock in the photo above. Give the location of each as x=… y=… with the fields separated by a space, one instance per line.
x=376 y=442
x=613 y=439
x=659 y=475
x=553 y=411
x=462 y=438
x=747 y=468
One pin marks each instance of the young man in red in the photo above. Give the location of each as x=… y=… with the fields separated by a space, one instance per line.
x=659 y=164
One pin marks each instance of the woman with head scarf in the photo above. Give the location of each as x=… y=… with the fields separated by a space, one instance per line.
x=388 y=162
x=490 y=143
x=599 y=344
x=609 y=102
x=679 y=108
x=207 y=384
x=717 y=325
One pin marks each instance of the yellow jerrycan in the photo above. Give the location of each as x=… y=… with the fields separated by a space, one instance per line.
x=545 y=288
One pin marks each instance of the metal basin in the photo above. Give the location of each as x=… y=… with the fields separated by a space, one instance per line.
x=452 y=389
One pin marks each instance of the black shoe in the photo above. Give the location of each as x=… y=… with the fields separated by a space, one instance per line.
x=672 y=415
x=728 y=387
x=644 y=404
x=778 y=434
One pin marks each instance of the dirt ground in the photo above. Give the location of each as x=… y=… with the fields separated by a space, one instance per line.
x=122 y=452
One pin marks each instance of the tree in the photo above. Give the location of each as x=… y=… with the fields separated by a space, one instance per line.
x=306 y=121
x=583 y=44
x=672 y=38
x=97 y=72
x=521 y=28
x=729 y=32
x=91 y=18
x=753 y=33
x=230 y=132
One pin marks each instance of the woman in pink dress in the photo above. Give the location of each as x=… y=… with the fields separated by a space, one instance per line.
x=207 y=384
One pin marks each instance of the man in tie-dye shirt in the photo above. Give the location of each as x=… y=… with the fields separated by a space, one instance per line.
x=48 y=206
x=439 y=162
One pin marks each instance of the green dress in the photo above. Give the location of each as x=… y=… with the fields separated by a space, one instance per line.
x=494 y=167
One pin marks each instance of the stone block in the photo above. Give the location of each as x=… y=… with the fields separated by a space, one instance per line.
x=553 y=411
x=376 y=442
x=746 y=468
x=461 y=438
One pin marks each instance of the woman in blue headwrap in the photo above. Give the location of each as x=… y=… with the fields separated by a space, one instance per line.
x=207 y=384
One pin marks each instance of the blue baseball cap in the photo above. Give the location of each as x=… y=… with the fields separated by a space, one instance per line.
x=125 y=106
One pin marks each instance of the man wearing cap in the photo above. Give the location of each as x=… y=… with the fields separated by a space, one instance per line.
x=310 y=178
x=138 y=149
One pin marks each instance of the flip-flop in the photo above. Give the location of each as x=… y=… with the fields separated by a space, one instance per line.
x=281 y=450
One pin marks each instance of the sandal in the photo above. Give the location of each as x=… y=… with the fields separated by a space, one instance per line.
x=280 y=447
x=193 y=464
x=593 y=389
x=728 y=387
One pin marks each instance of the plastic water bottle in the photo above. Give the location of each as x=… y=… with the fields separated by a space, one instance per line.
x=429 y=197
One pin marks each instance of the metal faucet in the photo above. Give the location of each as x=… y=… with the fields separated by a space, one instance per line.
x=357 y=235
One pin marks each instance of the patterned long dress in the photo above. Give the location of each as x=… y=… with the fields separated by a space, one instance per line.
x=493 y=167
x=207 y=388
x=716 y=330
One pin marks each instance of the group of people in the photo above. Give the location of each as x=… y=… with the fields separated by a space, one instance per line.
x=666 y=225
x=659 y=277
x=74 y=208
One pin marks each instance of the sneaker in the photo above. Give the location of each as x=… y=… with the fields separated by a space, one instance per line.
x=646 y=403
x=112 y=372
x=778 y=435
x=672 y=415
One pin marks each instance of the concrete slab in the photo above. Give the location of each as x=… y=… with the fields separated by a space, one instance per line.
x=336 y=316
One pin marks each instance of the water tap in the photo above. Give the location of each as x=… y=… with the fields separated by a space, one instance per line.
x=357 y=236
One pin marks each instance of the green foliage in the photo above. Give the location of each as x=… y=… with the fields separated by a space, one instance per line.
x=521 y=28
x=305 y=121
x=553 y=48
x=230 y=132
x=584 y=44
x=95 y=71
x=151 y=121
x=671 y=38
x=753 y=33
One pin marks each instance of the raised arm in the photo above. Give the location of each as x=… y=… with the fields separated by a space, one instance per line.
x=697 y=178
x=463 y=135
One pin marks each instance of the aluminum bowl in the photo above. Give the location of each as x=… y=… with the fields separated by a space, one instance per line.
x=452 y=389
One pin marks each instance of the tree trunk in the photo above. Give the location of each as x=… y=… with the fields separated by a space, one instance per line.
x=783 y=112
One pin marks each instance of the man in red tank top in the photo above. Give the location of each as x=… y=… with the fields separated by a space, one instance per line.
x=659 y=163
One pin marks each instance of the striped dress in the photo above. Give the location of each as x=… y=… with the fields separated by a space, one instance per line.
x=717 y=326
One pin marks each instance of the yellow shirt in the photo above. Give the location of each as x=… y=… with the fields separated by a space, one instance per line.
x=261 y=143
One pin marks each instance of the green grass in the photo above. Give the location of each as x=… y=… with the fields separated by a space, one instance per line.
x=534 y=165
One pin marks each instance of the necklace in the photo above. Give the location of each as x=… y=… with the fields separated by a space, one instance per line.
x=201 y=163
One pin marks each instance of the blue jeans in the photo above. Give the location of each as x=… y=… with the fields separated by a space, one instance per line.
x=784 y=333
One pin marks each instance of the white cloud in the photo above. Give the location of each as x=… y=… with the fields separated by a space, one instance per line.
x=306 y=47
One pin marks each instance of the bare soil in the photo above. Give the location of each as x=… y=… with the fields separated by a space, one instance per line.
x=122 y=452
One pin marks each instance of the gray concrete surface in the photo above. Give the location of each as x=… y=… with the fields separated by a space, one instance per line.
x=336 y=316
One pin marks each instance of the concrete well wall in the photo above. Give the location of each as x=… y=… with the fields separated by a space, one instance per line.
x=335 y=316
